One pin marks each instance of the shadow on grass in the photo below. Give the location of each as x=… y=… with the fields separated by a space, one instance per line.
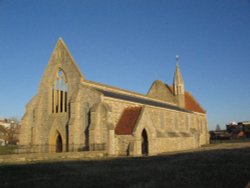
x=215 y=168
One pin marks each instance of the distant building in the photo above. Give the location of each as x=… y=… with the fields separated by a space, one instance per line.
x=72 y=113
x=240 y=129
x=233 y=130
x=10 y=131
x=6 y=123
x=220 y=135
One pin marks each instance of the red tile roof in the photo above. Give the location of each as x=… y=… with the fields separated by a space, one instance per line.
x=127 y=122
x=190 y=102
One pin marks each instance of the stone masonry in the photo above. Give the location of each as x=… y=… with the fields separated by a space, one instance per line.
x=70 y=113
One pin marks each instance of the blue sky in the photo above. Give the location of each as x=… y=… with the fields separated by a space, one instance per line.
x=129 y=44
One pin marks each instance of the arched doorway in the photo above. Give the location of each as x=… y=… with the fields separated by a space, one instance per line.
x=59 y=144
x=144 y=143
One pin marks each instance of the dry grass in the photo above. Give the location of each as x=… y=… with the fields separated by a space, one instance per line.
x=222 y=167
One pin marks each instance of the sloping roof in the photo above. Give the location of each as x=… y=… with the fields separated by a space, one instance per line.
x=117 y=93
x=127 y=121
x=192 y=104
x=139 y=100
x=170 y=88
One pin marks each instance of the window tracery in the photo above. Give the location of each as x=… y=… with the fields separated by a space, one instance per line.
x=59 y=93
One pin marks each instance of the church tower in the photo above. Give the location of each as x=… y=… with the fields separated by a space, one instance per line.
x=178 y=85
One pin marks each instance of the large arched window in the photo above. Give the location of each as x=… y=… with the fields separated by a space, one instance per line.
x=59 y=93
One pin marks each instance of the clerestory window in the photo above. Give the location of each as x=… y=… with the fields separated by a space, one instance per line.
x=59 y=93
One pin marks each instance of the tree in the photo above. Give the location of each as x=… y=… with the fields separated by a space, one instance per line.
x=12 y=131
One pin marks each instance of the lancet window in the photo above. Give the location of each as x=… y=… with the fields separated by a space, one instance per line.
x=59 y=93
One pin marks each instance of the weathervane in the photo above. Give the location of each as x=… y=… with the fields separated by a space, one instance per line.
x=177 y=59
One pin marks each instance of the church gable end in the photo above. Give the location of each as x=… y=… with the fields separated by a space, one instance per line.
x=61 y=59
x=159 y=91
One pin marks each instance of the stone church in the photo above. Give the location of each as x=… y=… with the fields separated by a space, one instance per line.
x=70 y=113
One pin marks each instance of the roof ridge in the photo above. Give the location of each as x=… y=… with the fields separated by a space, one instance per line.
x=126 y=92
x=114 y=87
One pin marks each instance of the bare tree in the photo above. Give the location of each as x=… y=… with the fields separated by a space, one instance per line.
x=13 y=131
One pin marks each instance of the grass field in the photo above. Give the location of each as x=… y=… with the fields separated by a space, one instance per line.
x=221 y=167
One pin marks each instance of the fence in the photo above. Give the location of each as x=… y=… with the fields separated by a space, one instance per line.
x=21 y=149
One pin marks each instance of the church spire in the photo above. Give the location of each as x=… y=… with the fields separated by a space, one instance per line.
x=178 y=84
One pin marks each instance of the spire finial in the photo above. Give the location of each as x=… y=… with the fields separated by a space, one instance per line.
x=177 y=57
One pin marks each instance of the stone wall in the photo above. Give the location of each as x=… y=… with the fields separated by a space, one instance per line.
x=81 y=116
x=159 y=91
x=174 y=144
x=123 y=144
x=175 y=128
x=117 y=107
x=39 y=123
